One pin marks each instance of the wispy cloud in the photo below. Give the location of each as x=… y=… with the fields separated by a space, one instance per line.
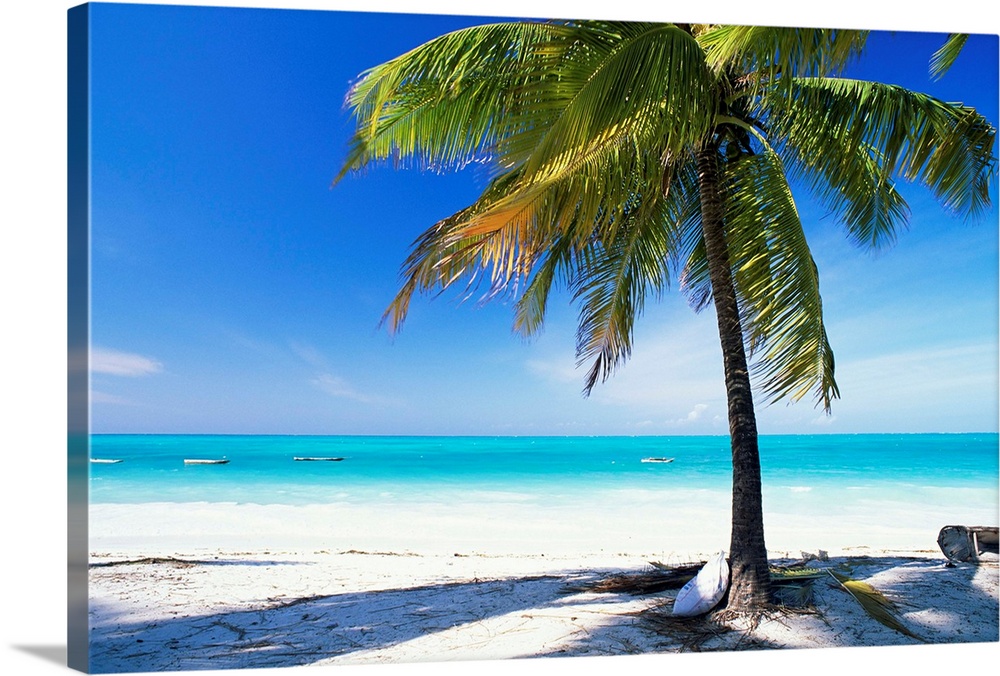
x=104 y=398
x=310 y=355
x=326 y=380
x=670 y=366
x=127 y=364
x=336 y=386
x=824 y=420
x=559 y=369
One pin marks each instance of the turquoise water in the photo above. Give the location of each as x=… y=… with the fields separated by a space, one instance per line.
x=261 y=470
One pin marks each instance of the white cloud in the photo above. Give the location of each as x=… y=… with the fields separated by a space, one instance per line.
x=696 y=413
x=694 y=416
x=115 y=363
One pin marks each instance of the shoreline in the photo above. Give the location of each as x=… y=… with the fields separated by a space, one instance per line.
x=637 y=528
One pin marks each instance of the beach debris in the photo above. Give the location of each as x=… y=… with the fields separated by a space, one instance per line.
x=874 y=603
x=966 y=543
x=704 y=592
x=690 y=632
x=148 y=560
x=792 y=585
x=662 y=578
x=820 y=555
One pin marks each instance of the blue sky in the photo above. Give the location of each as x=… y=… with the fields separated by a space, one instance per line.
x=235 y=292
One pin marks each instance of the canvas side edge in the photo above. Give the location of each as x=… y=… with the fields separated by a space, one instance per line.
x=78 y=333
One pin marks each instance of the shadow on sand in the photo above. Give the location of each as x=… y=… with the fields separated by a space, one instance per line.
x=495 y=615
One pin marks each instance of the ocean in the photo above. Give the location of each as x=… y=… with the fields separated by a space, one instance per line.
x=548 y=494
x=261 y=469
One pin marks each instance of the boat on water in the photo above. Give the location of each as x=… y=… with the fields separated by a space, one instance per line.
x=308 y=459
x=657 y=459
x=201 y=461
x=105 y=461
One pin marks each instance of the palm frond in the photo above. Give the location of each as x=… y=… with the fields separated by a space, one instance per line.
x=645 y=79
x=634 y=258
x=855 y=185
x=856 y=136
x=446 y=102
x=611 y=283
x=588 y=129
x=531 y=306
x=446 y=253
x=769 y=54
x=943 y=59
x=777 y=283
x=874 y=603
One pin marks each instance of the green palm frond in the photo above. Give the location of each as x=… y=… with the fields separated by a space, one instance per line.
x=446 y=103
x=612 y=278
x=777 y=282
x=588 y=130
x=856 y=186
x=650 y=81
x=612 y=282
x=854 y=137
x=767 y=54
x=551 y=273
x=944 y=57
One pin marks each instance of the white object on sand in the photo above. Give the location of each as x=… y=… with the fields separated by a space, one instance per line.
x=705 y=589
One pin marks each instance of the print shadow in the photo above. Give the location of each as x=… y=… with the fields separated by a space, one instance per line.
x=55 y=654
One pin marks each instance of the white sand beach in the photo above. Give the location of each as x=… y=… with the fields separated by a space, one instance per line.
x=215 y=586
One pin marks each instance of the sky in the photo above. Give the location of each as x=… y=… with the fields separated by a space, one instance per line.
x=235 y=291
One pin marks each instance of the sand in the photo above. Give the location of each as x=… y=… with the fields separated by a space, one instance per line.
x=244 y=597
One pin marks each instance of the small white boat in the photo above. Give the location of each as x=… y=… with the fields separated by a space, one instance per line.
x=105 y=461
x=200 y=461
x=657 y=459
x=307 y=459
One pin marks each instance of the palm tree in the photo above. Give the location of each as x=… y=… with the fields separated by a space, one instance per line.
x=624 y=155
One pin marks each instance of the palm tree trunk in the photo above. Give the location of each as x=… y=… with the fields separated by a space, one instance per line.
x=750 y=581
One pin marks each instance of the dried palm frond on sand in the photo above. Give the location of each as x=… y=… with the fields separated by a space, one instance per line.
x=661 y=578
x=874 y=603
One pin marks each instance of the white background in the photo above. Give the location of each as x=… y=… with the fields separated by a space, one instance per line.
x=33 y=334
